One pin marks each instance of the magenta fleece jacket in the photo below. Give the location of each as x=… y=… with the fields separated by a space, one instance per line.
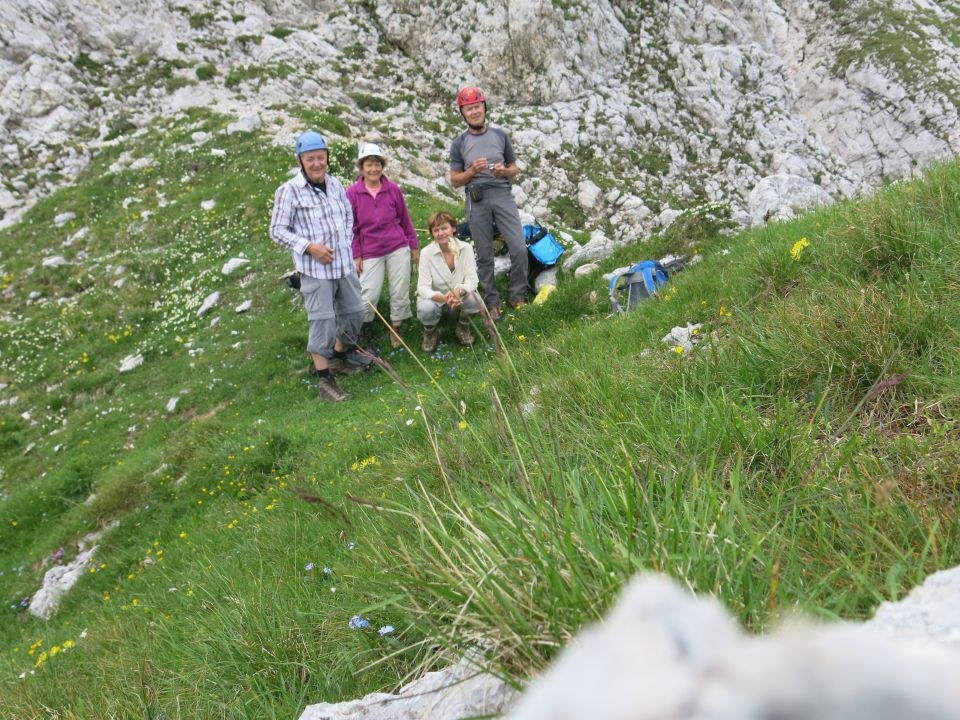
x=381 y=224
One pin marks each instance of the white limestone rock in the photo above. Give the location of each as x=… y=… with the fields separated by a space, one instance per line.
x=249 y=123
x=597 y=248
x=55 y=261
x=458 y=691
x=683 y=336
x=7 y=199
x=584 y=270
x=547 y=276
x=588 y=194
x=929 y=614
x=131 y=362
x=501 y=264
x=782 y=197
x=208 y=303
x=56 y=582
x=243 y=307
x=233 y=264
x=663 y=654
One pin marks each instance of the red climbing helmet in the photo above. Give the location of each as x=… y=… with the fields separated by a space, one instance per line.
x=470 y=95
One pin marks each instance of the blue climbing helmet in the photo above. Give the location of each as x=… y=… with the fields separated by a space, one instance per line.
x=310 y=140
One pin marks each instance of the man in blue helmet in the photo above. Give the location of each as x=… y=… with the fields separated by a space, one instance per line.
x=312 y=218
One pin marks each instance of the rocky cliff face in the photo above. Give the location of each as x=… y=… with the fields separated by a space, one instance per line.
x=623 y=113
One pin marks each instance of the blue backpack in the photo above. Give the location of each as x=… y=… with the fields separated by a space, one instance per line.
x=636 y=283
x=542 y=245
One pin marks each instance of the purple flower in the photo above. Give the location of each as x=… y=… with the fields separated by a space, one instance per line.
x=309 y=566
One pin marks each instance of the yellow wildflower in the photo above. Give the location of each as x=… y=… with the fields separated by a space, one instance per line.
x=798 y=247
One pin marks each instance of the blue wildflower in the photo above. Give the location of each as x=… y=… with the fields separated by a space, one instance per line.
x=351 y=545
x=358 y=623
x=385 y=630
x=309 y=566
x=327 y=571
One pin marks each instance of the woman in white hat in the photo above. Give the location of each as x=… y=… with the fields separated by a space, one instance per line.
x=385 y=245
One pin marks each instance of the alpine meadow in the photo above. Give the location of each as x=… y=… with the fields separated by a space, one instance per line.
x=241 y=549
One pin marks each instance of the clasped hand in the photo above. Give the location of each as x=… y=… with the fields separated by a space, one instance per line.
x=320 y=253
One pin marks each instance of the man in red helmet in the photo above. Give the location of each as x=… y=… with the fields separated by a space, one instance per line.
x=483 y=161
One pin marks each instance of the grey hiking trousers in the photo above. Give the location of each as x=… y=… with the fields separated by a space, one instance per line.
x=497 y=205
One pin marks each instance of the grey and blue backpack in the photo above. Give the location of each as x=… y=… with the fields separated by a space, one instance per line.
x=636 y=283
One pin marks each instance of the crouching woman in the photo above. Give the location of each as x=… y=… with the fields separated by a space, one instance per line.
x=447 y=282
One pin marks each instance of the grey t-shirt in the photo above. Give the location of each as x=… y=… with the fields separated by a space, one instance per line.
x=493 y=144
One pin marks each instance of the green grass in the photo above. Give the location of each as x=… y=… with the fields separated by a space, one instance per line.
x=804 y=455
x=799 y=458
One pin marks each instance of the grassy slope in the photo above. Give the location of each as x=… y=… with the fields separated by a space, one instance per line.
x=804 y=456
x=762 y=468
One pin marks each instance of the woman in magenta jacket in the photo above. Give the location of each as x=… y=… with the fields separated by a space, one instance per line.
x=385 y=245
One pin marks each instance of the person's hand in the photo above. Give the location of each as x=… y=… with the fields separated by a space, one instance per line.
x=415 y=258
x=453 y=300
x=478 y=165
x=499 y=170
x=321 y=253
x=358 y=264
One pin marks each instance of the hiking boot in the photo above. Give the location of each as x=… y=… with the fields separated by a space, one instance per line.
x=430 y=338
x=395 y=337
x=342 y=366
x=517 y=304
x=495 y=313
x=329 y=391
x=352 y=363
x=463 y=334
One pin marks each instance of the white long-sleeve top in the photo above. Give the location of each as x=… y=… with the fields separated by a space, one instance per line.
x=436 y=277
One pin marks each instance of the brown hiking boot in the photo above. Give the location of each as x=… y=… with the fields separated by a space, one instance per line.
x=395 y=336
x=340 y=366
x=463 y=334
x=430 y=338
x=329 y=391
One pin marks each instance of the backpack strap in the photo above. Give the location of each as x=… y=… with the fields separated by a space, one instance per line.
x=533 y=233
x=654 y=275
x=613 y=287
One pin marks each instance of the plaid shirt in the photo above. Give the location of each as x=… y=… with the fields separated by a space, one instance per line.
x=302 y=215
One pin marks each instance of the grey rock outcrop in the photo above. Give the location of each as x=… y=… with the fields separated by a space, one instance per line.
x=56 y=582
x=665 y=654
x=929 y=614
x=782 y=197
x=209 y=302
x=628 y=112
x=459 y=691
